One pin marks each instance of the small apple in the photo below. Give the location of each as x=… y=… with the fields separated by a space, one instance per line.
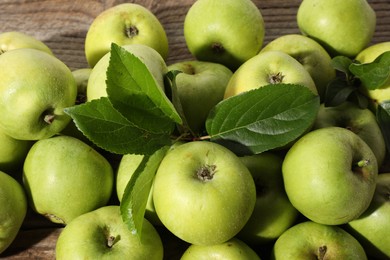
x=360 y=121
x=200 y=87
x=330 y=175
x=35 y=88
x=232 y=249
x=273 y=212
x=269 y=67
x=64 y=178
x=341 y=27
x=314 y=58
x=102 y=234
x=13 y=209
x=310 y=240
x=372 y=228
x=124 y=24
x=203 y=193
x=227 y=32
x=17 y=40
x=97 y=87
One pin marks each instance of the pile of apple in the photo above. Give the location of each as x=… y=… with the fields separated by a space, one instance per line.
x=325 y=194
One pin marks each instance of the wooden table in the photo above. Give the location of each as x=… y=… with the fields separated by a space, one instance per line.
x=62 y=25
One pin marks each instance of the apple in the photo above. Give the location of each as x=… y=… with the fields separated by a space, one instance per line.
x=200 y=86
x=273 y=212
x=270 y=67
x=372 y=228
x=35 y=88
x=101 y=234
x=97 y=87
x=310 y=240
x=330 y=175
x=64 y=178
x=13 y=209
x=124 y=24
x=203 y=193
x=17 y=40
x=227 y=32
x=232 y=249
x=341 y=27
x=314 y=58
x=360 y=121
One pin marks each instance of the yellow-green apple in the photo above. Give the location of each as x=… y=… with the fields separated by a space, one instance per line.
x=341 y=27
x=102 y=234
x=360 y=121
x=270 y=67
x=314 y=58
x=123 y=24
x=232 y=249
x=17 y=40
x=156 y=65
x=330 y=175
x=310 y=240
x=35 y=88
x=273 y=212
x=200 y=87
x=13 y=209
x=372 y=228
x=64 y=178
x=227 y=32
x=203 y=193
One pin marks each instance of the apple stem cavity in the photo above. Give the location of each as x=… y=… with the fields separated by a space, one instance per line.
x=131 y=31
x=206 y=172
x=322 y=252
x=275 y=78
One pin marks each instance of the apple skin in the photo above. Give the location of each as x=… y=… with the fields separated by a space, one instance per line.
x=314 y=58
x=34 y=90
x=372 y=228
x=218 y=31
x=13 y=209
x=89 y=236
x=203 y=193
x=64 y=178
x=273 y=213
x=17 y=40
x=341 y=27
x=124 y=24
x=200 y=87
x=322 y=178
x=97 y=87
x=310 y=240
x=267 y=68
x=232 y=249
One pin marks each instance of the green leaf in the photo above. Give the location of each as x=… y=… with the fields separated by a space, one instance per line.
x=337 y=92
x=137 y=191
x=375 y=74
x=341 y=63
x=262 y=119
x=133 y=91
x=110 y=130
x=383 y=117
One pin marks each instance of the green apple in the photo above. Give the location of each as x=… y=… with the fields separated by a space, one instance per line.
x=372 y=228
x=360 y=121
x=13 y=209
x=203 y=193
x=227 y=32
x=229 y=250
x=270 y=67
x=310 y=240
x=330 y=175
x=273 y=213
x=102 y=234
x=35 y=88
x=65 y=178
x=17 y=40
x=156 y=65
x=314 y=58
x=200 y=87
x=123 y=24
x=341 y=27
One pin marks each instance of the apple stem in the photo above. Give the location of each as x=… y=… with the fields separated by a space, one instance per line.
x=363 y=163
x=49 y=118
x=111 y=241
